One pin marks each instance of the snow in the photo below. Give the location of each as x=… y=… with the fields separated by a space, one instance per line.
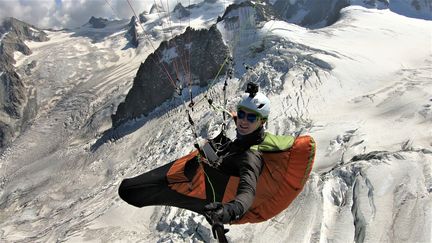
x=3 y=36
x=361 y=87
x=377 y=75
x=168 y=55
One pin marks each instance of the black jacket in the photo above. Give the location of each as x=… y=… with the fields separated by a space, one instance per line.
x=239 y=160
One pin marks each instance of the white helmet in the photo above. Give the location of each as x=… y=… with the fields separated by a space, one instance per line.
x=259 y=104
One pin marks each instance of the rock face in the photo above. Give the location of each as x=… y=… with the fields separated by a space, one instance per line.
x=142 y=17
x=155 y=8
x=375 y=3
x=16 y=109
x=262 y=12
x=180 y=11
x=98 y=23
x=152 y=85
x=310 y=13
x=132 y=33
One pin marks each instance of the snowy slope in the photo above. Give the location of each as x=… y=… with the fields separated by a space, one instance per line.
x=361 y=87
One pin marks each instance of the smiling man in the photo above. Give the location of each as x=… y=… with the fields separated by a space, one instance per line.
x=239 y=160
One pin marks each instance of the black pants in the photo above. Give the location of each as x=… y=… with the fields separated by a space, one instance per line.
x=151 y=188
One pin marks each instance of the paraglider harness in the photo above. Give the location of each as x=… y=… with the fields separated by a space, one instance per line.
x=209 y=153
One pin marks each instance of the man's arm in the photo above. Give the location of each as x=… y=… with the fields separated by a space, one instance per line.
x=250 y=169
x=250 y=166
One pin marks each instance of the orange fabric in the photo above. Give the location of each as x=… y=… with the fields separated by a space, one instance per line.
x=281 y=180
x=177 y=180
x=176 y=172
x=194 y=188
x=231 y=189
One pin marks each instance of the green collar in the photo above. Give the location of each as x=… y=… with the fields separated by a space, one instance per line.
x=274 y=143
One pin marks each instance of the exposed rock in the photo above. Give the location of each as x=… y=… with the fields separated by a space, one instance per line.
x=412 y=8
x=142 y=17
x=132 y=22
x=16 y=109
x=377 y=3
x=181 y=11
x=12 y=94
x=321 y=13
x=16 y=32
x=132 y=33
x=22 y=30
x=155 y=8
x=98 y=23
x=6 y=134
x=310 y=13
x=152 y=86
x=29 y=67
x=377 y=155
x=262 y=13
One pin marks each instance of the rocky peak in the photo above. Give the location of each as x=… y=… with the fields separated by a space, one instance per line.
x=22 y=30
x=142 y=17
x=377 y=3
x=132 y=22
x=262 y=12
x=181 y=11
x=152 y=85
x=310 y=13
x=320 y=13
x=98 y=23
x=155 y=8
x=15 y=107
x=132 y=33
x=14 y=33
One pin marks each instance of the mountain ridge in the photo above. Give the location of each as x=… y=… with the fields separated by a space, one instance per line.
x=17 y=102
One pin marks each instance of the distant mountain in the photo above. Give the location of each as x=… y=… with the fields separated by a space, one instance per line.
x=262 y=12
x=17 y=103
x=421 y=9
x=98 y=23
x=142 y=17
x=320 y=13
x=310 y=13
x=132 y=33
x=180 y=11
x=156 y=8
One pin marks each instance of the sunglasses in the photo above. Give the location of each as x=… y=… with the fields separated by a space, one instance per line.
x=250 y=117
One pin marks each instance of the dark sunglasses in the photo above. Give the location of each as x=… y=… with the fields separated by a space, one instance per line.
x=251 y=117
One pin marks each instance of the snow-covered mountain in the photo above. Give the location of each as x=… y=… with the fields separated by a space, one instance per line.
x=321 y=13
x=361 y=86
x=17 y=100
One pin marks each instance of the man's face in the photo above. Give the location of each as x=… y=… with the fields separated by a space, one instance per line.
x=247 y=122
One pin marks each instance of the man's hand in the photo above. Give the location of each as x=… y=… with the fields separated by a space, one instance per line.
x=218 y=213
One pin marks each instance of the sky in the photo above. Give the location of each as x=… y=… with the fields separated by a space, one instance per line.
x=74 y=13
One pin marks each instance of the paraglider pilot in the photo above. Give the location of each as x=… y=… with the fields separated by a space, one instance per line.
x=236 y=159
x=239 y=160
